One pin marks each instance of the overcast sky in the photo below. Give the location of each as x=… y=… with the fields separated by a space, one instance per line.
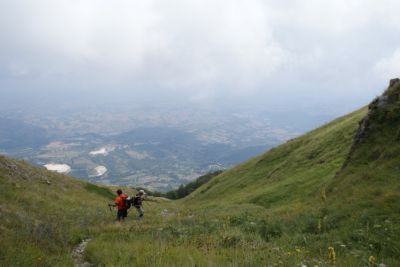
x=334 y=52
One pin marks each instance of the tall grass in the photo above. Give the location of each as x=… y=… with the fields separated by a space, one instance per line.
x=43 y=215
x=293 y=206
x=184 y=236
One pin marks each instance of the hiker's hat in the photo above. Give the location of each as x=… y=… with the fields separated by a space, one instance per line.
x=141 y=191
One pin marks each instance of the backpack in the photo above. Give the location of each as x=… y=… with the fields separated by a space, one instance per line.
x=127 y=202
x=136 y=201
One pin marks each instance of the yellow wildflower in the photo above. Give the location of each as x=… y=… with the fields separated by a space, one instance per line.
x=371 y=260
x=332 y=255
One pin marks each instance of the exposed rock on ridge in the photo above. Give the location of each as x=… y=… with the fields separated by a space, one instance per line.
x=380 y=103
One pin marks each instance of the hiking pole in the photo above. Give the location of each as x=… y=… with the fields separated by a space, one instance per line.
x=110 y=206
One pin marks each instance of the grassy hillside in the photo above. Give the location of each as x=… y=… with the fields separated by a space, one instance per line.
x=364 y=197
x=328 y=198
x=288 y=177
x=335 y=186
x=319 y=200
x=43 y=214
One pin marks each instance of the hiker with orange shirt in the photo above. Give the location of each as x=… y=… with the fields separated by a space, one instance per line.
x=120 y=203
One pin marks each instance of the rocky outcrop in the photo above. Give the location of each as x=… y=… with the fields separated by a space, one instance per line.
x=380 y=103
x=393 y=82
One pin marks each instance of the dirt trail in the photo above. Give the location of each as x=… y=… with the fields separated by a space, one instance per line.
x=78 y=254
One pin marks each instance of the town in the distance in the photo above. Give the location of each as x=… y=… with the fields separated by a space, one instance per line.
x=159 y=147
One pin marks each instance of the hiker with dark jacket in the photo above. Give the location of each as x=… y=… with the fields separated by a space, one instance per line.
x=120 y=204
x=137 y=203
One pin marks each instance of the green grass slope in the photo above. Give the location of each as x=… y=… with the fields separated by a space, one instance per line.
x=43 y=214
x=288 y=177
x=328 y=198
x=336 y=186
x=365 y=195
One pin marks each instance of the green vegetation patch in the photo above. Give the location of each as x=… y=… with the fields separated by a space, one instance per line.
x=101 y=191
x=43 y=215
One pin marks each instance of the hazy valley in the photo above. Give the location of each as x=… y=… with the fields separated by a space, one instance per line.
x=158 y=148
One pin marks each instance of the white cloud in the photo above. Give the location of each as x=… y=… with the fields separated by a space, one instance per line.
x=203 y=48
x=177 y=44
